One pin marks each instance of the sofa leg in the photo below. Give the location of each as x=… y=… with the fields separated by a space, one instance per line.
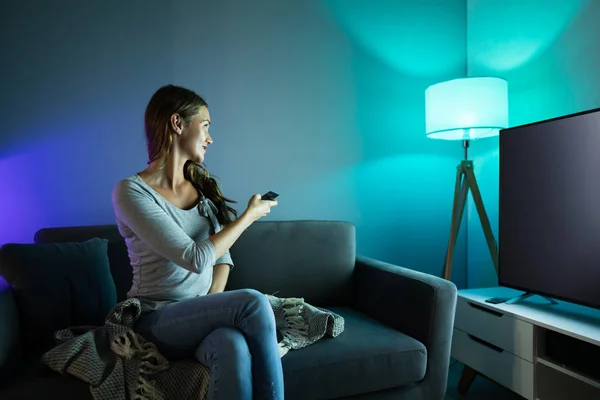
x=466 y=379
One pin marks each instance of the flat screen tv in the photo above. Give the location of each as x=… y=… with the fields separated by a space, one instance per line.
x=549 y=208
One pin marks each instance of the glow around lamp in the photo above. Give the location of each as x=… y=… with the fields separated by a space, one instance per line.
x=467 y=109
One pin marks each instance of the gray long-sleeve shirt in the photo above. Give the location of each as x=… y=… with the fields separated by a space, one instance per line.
x=169 y=250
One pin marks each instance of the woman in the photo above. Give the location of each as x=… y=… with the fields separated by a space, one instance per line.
x=178 y=229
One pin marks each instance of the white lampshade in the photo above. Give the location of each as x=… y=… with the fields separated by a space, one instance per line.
x=466 y=109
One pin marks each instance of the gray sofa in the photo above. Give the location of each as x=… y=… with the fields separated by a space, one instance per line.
x=398 y=322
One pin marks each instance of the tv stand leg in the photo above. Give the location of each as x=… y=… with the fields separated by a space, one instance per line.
x=466 y=379
x=527 y=295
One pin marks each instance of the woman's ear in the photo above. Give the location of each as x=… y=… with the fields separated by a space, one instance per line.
x=176 y=124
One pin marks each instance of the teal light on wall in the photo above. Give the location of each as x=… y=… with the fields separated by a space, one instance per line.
x=466 y=109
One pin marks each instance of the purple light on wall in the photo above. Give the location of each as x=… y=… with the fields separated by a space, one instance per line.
x=64 y=177
x=20 y=210
x=43 y=182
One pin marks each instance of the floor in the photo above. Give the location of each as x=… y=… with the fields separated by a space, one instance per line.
x=481 y=389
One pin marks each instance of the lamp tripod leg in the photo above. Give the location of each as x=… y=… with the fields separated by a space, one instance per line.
x=461 y=189
x=483 y=217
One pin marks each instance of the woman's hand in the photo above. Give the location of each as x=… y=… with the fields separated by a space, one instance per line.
x=258 y=208
x=224 y=239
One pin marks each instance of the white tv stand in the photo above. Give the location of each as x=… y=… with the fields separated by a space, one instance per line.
x=510 y=343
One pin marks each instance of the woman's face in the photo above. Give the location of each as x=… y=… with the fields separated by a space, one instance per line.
x=194 y=138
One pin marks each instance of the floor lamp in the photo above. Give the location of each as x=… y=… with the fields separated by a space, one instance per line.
x=467 y=109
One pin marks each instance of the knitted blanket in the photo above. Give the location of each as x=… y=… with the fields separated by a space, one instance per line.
x=119 y=364
x=302 y=324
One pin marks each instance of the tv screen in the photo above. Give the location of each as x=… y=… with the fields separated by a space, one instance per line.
x=549 y=208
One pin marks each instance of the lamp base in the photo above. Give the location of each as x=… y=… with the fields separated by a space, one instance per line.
x=465 y=181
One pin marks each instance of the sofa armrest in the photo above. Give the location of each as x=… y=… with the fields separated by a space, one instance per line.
x=417 y=304
x=9 y=328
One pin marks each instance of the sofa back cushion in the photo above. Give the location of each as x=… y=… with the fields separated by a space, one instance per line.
x=309 y=259
x=57 y=286
x=120 y=269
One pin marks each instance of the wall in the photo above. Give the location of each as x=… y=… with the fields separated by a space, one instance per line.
x=548 y=52
x=321 y=101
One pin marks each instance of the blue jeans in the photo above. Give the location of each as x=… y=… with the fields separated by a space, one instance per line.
x=233 y=333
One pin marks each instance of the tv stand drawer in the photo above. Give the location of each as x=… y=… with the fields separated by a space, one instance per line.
x=499 y=365
x=495 y=327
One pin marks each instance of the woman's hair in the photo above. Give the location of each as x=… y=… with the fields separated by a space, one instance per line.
x=169 y=100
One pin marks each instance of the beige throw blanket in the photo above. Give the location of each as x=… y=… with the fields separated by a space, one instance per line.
x=119 y=364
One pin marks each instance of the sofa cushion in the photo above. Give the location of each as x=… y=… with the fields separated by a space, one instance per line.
x=120 y=268
x=309 y=259
x=368 y=356
x=57 y=286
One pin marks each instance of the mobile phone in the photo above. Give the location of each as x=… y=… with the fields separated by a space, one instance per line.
x=269 y=196
x=496 y=300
